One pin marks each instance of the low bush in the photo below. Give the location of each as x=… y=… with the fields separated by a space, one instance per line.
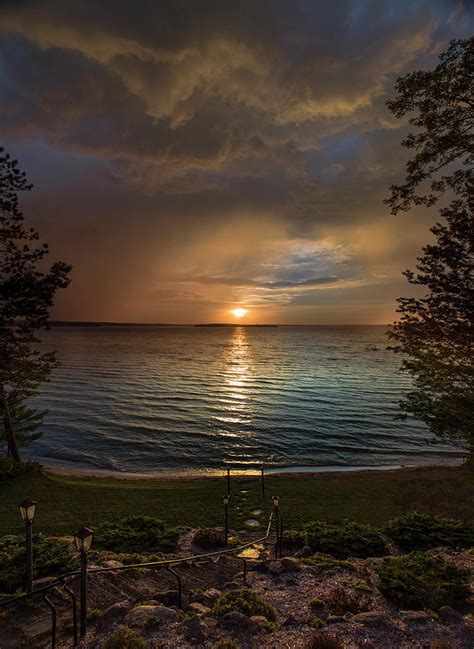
x=328 y=564
x=52 y=557
x=341 y=601
x=136 y=533
x=416 y=531
x=294 y=539
x=10 y=469
x=124 y=638
x=211 y=538
x=423 y=581
x=227 y=643
x=344 y=539
x=245 y=601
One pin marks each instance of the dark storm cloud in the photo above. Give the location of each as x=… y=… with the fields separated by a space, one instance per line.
x=220 y=127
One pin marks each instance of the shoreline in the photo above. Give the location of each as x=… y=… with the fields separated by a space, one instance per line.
x=196 y=474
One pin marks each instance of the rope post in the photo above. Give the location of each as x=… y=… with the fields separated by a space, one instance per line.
x=228 y=481
x=226 y=518
x=83 y=596
x=276 y=505
x=262 y=468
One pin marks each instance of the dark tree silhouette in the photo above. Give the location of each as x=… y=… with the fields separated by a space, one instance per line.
x=26 y=295
x=435 y=332
x=442 y=101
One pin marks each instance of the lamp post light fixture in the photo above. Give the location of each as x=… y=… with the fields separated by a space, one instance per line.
x=83 y=542
x=226 y=518
x=27 y=512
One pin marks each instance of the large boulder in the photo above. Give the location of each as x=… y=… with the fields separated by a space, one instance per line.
x=193 y=630
x=237 y=622
x=199 y=609
x=290 y=564
x=415 y=617
x=111 y=617
x=170 y=598
x=371 y=618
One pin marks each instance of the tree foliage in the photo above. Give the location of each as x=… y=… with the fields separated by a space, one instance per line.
x=441 y=105
x=27 y=289
x=435 y=331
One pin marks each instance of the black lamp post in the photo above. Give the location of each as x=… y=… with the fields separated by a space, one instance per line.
x=83 y=541
x=226 y=518
x=27 y=512
x=276 y=504
x=228 y=481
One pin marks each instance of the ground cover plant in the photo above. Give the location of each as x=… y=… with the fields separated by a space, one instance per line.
x=52 y=557
x=245 y=601
x=344 y=539
x=124 y=638
x=327 y=564
x=415 y=531
x=423 y=581
x=136 y=533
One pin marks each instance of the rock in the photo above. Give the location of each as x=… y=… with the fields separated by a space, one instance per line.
x=290 y=564
x=449 y=616
x=290 y=621
x=371 y=618
x=112 y=615
x=213 y=594
x=304 y=552
x=193 y=630
x=138 y=615
x=261 y=620
x=112 y=563
x=274 y=567
x=200 y=609
x=335 y=619
x=416 y=617
x=231 y=585
x=237 y=622
x=170 y=598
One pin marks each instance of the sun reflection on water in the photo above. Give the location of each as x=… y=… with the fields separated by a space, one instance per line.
x=238 y=367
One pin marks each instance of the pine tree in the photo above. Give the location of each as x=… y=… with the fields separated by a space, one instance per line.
x=26 y=295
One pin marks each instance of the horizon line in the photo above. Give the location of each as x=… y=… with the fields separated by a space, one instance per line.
x=107 y=323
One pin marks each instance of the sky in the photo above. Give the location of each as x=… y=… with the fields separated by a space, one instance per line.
x=193 y=157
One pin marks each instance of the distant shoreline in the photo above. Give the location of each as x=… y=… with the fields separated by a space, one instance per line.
x=87 y=323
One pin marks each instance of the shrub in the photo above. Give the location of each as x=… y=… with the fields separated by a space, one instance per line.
x=419 y=580
x=10 y=469
x=416 y=531
x=345 y=539
x=52 y=557
x=209 y=538
x=227 y=643
x=341 y=600
x=328 y=564
x=134 y=534
x=124 y=638
x=294 y=539
x=245 y=601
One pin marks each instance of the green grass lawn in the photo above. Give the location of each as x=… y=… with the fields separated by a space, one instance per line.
x=66 y=503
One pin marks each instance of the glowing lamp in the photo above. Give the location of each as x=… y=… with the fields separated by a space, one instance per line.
x=83 y=540
x=28 y=510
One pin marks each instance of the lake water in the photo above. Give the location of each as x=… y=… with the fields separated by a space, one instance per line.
x=141 y=399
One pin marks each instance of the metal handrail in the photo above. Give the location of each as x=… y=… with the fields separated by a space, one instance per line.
x=163 y=562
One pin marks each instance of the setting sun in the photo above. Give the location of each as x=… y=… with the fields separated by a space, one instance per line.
x=239 y=313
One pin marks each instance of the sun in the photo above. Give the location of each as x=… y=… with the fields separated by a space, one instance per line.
x=239 y=313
